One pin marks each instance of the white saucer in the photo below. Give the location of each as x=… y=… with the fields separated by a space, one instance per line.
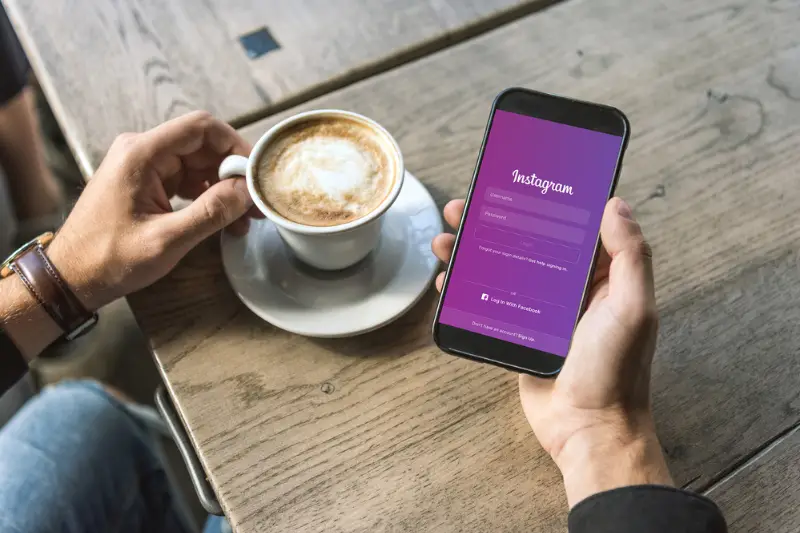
x=292 y=296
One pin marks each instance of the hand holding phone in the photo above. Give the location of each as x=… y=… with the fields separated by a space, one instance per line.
x=594 y=419
x=528 y=241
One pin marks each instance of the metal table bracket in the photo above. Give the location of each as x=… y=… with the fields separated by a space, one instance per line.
x=198 y=476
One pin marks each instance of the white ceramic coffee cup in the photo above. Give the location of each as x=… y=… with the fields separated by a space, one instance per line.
x=323 y=247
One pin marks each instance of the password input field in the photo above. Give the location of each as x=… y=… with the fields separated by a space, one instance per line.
x=539 y=206
x=545 y=228
x=527 y=244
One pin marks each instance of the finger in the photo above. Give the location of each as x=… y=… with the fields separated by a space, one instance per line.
x=167 y=144
x=186 y=134
x=602 y=266
x=453 y=212
x=534 y=394
x=224 y=139
x=239 y=227
x=255 y=212
x=170 y=171
x=191 y=189
x=190 y=181
x=218 y=207
x=442 y=246
x=631 y=284
x=599 y=286
x=204 y=159
x=597 y=292
x=440 y=281
x=187 y=182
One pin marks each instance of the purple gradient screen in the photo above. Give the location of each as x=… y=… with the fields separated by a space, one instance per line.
x=529 y=237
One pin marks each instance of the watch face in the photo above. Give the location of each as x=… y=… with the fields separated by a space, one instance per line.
x=44 y=239
x=43 y=281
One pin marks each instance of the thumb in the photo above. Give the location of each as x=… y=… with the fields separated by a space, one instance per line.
x=216 y=208
x=535 y=393
x=631 y=286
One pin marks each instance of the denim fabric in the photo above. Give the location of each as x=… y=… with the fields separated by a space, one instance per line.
x=74 y=460
x=14 y=398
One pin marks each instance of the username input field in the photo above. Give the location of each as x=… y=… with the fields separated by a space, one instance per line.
x=532 y=204
x=545 y=228
x=527 y=244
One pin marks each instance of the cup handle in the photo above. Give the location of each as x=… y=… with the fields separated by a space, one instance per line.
x=232 y=166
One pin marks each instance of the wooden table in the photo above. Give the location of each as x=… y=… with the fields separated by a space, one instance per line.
x=109 y=67
x=383 y=432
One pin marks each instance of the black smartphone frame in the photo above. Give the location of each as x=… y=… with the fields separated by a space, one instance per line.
x=581 y=114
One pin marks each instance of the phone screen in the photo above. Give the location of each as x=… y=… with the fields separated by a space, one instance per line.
x=530 y=234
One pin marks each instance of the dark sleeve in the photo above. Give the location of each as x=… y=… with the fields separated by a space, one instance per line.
x=12 y=365
x=13 y=63
x=646 y=509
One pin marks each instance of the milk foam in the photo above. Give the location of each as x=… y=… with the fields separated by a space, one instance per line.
x=335 y=168
x=326 y=172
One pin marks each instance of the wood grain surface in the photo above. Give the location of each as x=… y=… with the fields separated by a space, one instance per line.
x=115 y=66
x=763 y=495
x=382 y=432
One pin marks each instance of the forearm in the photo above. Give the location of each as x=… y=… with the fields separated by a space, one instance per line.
x=605 y=460
x=617 y=480
x=24 y=320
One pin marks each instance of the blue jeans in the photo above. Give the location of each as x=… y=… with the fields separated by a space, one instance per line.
x=74 y=460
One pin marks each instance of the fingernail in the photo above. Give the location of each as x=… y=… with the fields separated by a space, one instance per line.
x=624 y=209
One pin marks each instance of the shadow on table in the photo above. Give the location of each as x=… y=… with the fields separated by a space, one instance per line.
x=405 y=335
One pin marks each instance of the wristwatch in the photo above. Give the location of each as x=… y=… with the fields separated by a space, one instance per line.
x=41 y=278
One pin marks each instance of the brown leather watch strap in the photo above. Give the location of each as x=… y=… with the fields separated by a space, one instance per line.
x=48 y=287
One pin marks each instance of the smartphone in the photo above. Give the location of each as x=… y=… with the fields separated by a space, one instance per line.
x=526 y=248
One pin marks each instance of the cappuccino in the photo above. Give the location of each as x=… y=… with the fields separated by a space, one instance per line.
x=326 y=171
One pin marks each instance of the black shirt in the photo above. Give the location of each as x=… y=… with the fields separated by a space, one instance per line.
x=13 y=64
x=646 y=509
